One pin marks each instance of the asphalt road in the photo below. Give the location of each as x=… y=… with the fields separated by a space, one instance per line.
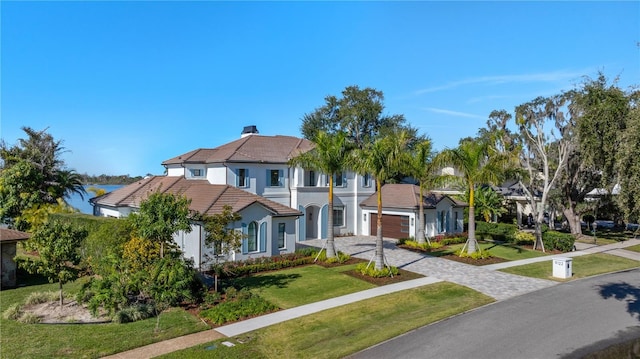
x=564 y=321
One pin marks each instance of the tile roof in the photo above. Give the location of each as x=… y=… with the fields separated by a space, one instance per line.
x=11 y=235
x=254 y=148
x=206 y=198
x=406 y=196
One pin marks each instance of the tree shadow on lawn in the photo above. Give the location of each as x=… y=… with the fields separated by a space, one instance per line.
x=269 y=280
x=623 y=292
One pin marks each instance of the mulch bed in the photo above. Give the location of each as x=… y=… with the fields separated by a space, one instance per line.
x=402 y=276
x=475 y=262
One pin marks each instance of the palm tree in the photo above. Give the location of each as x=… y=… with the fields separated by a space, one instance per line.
x=489 y=203
x=330 y=155
x=478 y=164
x=422 y=168
x=383 y=159
x=69 y=182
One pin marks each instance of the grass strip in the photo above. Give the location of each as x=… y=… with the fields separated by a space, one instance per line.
x=582 y=266
x=506 y=251
x=341 y=331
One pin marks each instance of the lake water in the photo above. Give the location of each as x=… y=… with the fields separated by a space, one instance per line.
x=83 y=205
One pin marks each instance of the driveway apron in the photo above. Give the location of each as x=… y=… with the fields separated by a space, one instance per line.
x=498 y=285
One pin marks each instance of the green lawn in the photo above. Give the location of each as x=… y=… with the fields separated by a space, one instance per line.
x=341 y=331
x=297 y=286
x=582 y=266
x=510 y=252
x=635 y=248
x=83 y=340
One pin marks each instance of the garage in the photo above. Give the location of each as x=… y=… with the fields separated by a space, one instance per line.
x=393 y=226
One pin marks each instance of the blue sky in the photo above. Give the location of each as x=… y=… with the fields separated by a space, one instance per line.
x=127 y=85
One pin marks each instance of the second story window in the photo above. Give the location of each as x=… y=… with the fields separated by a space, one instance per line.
x=242 y=177
x=339 y=180
x=195 y=172
x=275 y=178
x=311 y=179
x=366 y=180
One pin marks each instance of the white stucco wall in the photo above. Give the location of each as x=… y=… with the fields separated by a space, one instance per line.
x=216 y=174
x=175 y=170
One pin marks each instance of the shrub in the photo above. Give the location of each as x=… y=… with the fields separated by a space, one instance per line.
x=13 y=312
x=557 y=240
x=261 y=264
x=29 y=318
x=43 y=297
x=134 y=313
x=522 y=237
x=452 y=240
x=339 y=258
x=475 y=255
x=371 y=271
x=422 y=246
x=497 y=231
x=249 y=305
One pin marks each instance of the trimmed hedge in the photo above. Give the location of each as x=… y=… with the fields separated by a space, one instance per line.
x=262 y=264
x=497 y=231
x=557 y=240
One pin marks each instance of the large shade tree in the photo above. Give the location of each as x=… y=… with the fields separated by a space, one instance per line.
x=330 y=156
x=478 y=163
x=33 y=173
x=358 y=113
x=384 y=158
x=546 y=144
x=628 y=163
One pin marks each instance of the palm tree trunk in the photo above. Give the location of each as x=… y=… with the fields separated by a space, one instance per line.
x=331 y=249
x=471 y=241
x=379 y=243
x=421 y=221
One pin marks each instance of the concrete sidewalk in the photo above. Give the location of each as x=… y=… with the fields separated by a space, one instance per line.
x=485 y=279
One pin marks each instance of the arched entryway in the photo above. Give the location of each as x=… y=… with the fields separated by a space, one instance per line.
x=312 y=216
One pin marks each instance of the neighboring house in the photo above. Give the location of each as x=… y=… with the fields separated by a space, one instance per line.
x=254 y=167
x=400 y=209
x=8 y=240
x=516 y=202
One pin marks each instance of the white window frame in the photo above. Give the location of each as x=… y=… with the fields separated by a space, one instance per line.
x=339 y=209
x=282 y=235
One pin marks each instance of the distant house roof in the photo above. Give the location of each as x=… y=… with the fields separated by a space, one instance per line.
x=205 y=198
x=11 y=235
x=406 y=196
x=254 y=148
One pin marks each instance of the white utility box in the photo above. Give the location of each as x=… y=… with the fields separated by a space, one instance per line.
x=562 y=267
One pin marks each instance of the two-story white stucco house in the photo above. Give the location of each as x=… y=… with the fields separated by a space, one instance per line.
x=279 y=204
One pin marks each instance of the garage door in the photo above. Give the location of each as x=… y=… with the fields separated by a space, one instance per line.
x=393 y=226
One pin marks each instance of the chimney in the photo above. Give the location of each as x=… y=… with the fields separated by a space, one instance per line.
x=248 y=131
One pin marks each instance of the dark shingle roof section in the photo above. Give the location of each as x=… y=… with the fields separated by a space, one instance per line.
x=406 y=196
x=11 y=235
x=205 y=198
x=254 y=148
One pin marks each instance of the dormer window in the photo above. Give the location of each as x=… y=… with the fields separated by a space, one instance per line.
x=242 y=178
x=196 y=172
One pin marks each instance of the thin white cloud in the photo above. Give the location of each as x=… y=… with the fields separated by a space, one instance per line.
x=453 y=113
x=554 y=76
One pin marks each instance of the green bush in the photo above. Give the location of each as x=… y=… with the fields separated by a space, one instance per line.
x=422 y=246
x=261 y=264
x=452 y=240
x=557 y=240
x=497 y=231
x=370 y=270
x=106 y=237
x=522 y=237
x=229 y=311
x=43 y=297
x=479 y=254
x=13 y=312
x=134 y=313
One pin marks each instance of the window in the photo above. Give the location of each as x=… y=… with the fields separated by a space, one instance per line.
x=338 y=216
x=404 y=224
x=252 y=237
x=281 y=232
x=242 y=177
x=195 y=172
x=441 y=221
x=366 y=180
x=275 y=178
x=311 y=179
x=338 y=180
x=456 y=220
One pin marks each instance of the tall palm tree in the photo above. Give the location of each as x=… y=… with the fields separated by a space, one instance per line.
x=330 y=156
x=383 y=159
x=69 y=182
x=478 y=163
x=422 y=168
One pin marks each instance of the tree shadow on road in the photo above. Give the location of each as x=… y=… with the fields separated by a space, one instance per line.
x=623 y=292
